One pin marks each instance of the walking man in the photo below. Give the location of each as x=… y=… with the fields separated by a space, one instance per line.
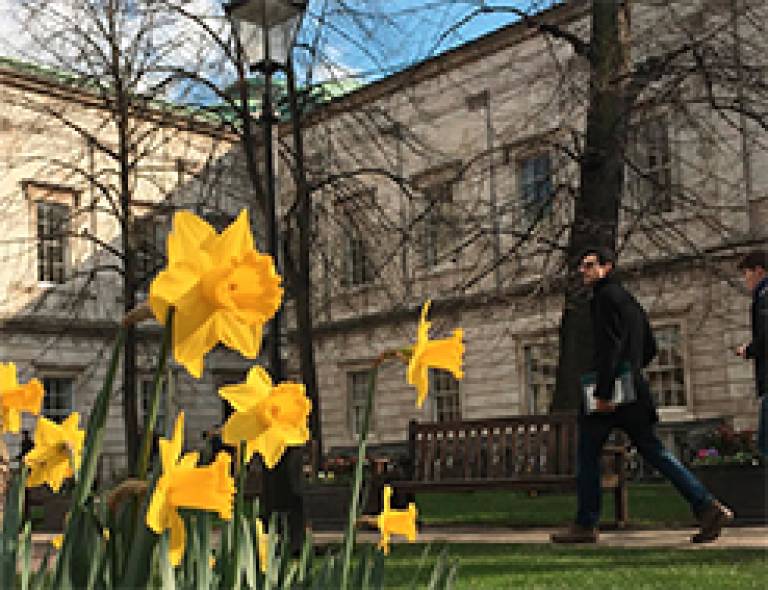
x=754 y=266
x=623 y=337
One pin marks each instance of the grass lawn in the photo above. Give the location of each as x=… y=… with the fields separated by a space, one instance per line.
x=491 y=566
x=650 y=505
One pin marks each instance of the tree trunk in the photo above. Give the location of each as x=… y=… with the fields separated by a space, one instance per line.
x=130 y=419
x=596 y=216
x=302 y=284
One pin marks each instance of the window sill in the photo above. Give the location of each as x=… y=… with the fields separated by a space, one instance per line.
x=674 y=414
x=356 y=289
x=423 y=273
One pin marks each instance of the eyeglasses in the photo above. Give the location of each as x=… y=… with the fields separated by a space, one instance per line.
x=587 y=264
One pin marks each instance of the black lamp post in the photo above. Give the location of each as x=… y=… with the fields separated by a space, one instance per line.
x=267 y=30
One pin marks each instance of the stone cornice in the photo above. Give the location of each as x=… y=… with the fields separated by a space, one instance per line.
x=57 y=90
x=555 y=286
x=513 y=34
x=75 y=328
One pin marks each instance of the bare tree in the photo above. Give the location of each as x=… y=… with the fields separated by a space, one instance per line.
x=133 y=148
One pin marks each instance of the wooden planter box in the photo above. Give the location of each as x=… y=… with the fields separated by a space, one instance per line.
x=326 y=506
x=743 y=488
x=54 y=507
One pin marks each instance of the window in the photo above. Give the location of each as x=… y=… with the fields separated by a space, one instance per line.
x=357 y=391
x=666 y=374
x=444 y=393
x=650 y=170
x=52 y=240
x=357 y=265
x=540 y=372
x=535 y=186
x=356 y=230
x=147 y=391
x=438 y=223
x=51 y=208
x=150 y=249
x=58 y=401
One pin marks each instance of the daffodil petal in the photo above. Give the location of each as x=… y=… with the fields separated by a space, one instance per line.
x=157 y=510
x=189 y=233
x=178 y=538
x=242 y=396
x=194 y=335
x=11 y=420
x=7 y=376
x=234 y=241
x=271 y=446
x=235 y=334
x=242 y=426
x=169 y=287
x=170 y=450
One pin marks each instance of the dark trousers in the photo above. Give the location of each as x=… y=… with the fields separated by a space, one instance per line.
x=762 y=426
x=637 y=420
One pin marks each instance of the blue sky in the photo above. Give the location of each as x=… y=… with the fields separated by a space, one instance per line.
x=368 y=39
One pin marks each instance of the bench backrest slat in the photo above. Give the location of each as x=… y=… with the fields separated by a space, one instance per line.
x=516 y=447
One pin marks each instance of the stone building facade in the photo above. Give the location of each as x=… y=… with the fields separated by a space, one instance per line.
x=61 y=295
x=453 y=180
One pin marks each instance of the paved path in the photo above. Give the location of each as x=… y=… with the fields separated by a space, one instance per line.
x=753 y=536
x=732 y=537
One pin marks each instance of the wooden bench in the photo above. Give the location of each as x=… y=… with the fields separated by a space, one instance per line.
x=530 y=453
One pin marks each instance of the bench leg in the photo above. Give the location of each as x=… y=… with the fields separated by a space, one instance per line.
x=621 y=505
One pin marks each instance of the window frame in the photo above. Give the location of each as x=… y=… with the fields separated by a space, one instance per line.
x=353 y=422
x=642 y=177
x=438 y=223
x=357 y=267
x=144 y=271
x=684 y=368
x=530 y=209
x=529 y=401
x=435 y=395
x=58 y=417
x=38 y=193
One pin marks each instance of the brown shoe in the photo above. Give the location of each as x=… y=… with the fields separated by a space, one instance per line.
x=576 y=533
x=712 y=520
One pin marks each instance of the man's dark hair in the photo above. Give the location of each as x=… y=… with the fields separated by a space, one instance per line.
x=753 y=260
x=604 y=255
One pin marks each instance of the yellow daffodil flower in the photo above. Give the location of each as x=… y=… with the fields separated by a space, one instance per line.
x=16 y=398
x=446 y=353
x=263 y=545
x=57 y=452
x=222 y=289
x=269 y=418
x=395 y=522
x=184 y=485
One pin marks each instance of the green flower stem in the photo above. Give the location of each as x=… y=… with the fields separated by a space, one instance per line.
x=234 y=571
x=355 y=508
x=157 y=389
x=91 y=450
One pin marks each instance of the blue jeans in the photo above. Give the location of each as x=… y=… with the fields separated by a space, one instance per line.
x=636 y=421
x=762 y=426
